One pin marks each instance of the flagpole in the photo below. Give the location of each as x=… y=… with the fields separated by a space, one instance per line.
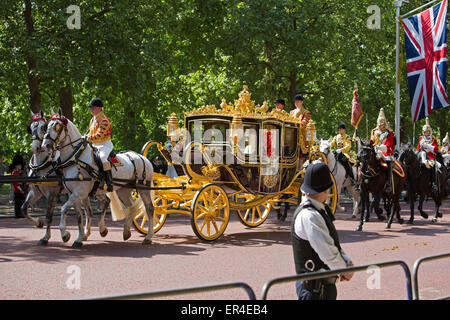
x=398 y=4
x=417 y=9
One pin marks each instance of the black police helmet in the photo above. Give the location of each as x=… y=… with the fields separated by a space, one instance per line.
x=317 y=179
x=96 y=102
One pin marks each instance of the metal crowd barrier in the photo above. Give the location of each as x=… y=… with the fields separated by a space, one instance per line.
x=182 y=291
x=416 y=271
x=330 y=273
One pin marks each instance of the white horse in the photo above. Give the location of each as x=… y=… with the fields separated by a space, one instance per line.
x=40 y=165
x=77 y=158
x=339 y=173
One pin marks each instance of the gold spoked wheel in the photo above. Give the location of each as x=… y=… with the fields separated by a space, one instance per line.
x=160 y=206
x=333 y=196
x=254 y=216
x=210 y=212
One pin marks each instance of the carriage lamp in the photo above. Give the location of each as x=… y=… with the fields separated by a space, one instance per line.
x=310 y=133
x=172 y=128
x=237 y=130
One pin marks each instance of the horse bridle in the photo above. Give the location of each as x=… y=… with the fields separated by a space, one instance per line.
x=335 y=162
x=59 y=127
x=365 y=174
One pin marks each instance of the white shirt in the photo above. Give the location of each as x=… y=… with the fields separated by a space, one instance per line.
x=310 y=226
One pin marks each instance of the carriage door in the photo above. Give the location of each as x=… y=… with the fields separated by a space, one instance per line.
x=270 y=156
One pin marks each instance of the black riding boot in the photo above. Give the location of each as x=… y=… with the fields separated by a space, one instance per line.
x=108 y=180
x=433 y=179
x=389 y=178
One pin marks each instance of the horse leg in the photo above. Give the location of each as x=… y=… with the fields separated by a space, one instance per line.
x=51 y=202
x=78 y=209
x=390 y=212
x=32 y=197
x=88 y=212
x=421 y=199
x=437 y=204
x=146 y=198
x=364 y=204
x=397 y=208
x=101 y=224
x=411 y=198
x=65 y=235
x=125 y=196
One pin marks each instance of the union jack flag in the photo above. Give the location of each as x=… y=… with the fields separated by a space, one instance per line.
x=426 y=60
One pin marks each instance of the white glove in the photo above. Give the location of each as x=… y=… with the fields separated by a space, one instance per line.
x=428 y=148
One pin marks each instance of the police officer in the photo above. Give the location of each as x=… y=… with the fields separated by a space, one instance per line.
x=100 y=137
x=315 y=240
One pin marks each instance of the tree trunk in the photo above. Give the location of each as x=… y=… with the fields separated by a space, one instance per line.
x=33 y=81
x=66 y=102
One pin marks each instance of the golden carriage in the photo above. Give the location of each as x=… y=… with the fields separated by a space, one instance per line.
x=239 y=158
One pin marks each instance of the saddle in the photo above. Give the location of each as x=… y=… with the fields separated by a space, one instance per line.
x=396 y=167
x=115 y=162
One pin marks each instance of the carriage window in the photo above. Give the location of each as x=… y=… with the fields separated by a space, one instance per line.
x=290 y=142
x=271 y=140
x=249 y=142
x=208 y=131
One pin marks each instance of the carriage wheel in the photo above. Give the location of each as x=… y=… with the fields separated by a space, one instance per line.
x=210 y=212
x=333 y=197
x=160 y=206
x=254 y=216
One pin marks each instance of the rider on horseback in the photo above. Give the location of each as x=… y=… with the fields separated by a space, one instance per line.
x=382 y=139
x=343 y=144
x=428 y=147
x=100 y=137
x=445 y=150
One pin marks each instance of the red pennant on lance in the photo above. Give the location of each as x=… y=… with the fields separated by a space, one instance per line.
x=357 y=112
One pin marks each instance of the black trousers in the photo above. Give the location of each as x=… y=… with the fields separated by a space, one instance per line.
x=19 y=199
x=329 y=292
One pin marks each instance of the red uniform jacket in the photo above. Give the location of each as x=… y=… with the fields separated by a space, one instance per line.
x=17 y=184
x=389 y=143
x=433 y=143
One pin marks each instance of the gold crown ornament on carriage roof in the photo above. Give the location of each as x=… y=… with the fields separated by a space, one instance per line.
x=245 y=108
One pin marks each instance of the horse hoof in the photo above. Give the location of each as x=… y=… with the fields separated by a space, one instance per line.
x=42 y=242
x=400 y=221
x=367 y=219
x=85 y=238
x=66 y=237
x=146 y=242
x=434 y=220
x=283 y=218
x=381 y=218
x=126 y=236
x=388 y=225
x=40 y=224
x=410 y=221
x=424 y=215
x=439 y=215
x=359 y=228
x=353 y=217
x=104 y=233
x=77 y=245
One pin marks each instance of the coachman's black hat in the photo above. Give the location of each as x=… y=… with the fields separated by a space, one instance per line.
x=317 y=178
x=280 y=101
x=96 y=102
x=341 y=126
x=298 y=97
